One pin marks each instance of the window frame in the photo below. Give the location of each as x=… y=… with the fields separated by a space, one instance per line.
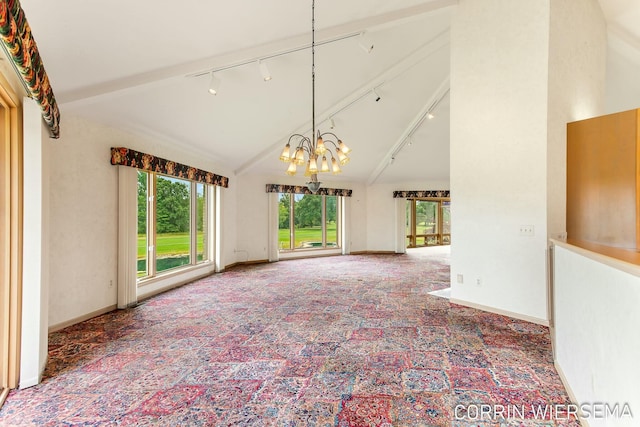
x=209 y=194
x=323 y=206
x=442 y=239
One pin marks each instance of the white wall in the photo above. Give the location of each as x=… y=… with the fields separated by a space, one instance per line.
x=499 y=68
x=228 y=219
x=84 y=216
x=596 y=330
x=501 y=139
x=252 y=239
x=623 y=68
x=359 y=217
x=577 y=65
x=35 y=260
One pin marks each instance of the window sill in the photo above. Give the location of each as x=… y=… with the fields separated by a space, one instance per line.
x=173 y=278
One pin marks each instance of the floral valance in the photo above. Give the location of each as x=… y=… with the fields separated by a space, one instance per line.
x=21 y=47
x=421 y=193
x=136 y=159
x=301 y=189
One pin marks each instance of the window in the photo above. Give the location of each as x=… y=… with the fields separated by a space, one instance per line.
x=308 y=221
x=173 y=218
x=428 y=222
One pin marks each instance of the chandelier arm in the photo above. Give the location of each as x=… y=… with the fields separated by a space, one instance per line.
x=330 y=152
x=332 y=143
x=329 y=133
x=302 y=137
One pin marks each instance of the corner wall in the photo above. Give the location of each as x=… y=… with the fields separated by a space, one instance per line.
x=83 y=243
x=84 y=214
x=519 y=69
x=499 y=54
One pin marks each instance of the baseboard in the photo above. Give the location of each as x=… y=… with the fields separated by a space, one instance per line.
x=82 y=318
x=375 y=253
x=572 y=396
x=236 y=264
x=29 y=383
x=531 y=319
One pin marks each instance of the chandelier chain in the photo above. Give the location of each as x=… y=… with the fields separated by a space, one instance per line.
x=314 y=151
x=313 y=72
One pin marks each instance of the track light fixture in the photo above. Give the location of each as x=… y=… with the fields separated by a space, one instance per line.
x=316 y=148
x=266 y=75
x=264 y=70
x=214 y=85
x=332 y=124
x=430 y=115
x=365 y=42
x=375 y=93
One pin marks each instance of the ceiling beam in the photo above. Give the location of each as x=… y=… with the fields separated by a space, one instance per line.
x=162 y=76
x=431 y=103
x=418 y=55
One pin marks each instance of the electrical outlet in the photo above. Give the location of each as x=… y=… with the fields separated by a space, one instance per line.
x=460 y=278
x=111 y=283
x=527 y=230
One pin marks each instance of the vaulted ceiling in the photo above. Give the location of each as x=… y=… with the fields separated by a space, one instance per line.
x=143 y=66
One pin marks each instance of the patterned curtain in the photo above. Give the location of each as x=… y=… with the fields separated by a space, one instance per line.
x=22 y=49
x=421 y=193
x=136 y=159
x=301 y=189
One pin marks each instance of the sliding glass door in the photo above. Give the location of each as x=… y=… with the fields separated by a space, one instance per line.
x=428 y=222
x=308 y=221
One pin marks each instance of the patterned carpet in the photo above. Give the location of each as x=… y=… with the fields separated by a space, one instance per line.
x=339 y=341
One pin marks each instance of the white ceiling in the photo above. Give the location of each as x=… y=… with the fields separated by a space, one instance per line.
x=141 y=71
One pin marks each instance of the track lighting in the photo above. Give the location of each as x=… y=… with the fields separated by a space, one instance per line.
x=362 y=39
x=378 y=98
x=365 y=42
x=214 y=85
x=430 y=115
x=264 y=70
x=332 y=124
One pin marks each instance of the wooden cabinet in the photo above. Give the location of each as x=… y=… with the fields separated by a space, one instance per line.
x=603 y=180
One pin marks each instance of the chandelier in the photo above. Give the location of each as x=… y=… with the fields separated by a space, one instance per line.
x=312 y=150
